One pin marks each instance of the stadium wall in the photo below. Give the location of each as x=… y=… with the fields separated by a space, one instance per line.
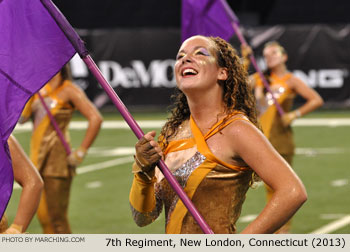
x=138 y=63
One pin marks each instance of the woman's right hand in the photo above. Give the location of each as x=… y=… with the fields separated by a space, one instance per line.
x=148 y=152
x=246 y=50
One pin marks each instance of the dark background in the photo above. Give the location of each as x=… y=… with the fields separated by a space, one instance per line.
x=89 y=14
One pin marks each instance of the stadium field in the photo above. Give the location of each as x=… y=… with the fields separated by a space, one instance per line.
x=99 y=198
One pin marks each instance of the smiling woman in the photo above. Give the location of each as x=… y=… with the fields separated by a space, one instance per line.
x=213 y=147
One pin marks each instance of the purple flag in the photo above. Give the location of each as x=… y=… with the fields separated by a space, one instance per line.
x=208 y=18
x=32 y=50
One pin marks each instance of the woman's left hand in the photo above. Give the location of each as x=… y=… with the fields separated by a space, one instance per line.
x=288 y=118
x=76 y=157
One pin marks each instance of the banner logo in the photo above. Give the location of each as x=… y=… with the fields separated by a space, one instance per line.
x=323 y=78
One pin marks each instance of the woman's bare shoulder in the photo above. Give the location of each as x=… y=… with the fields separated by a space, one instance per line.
x=241 y=129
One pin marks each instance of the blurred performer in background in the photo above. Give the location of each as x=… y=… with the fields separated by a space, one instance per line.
x=213 y=147
x=47 y=152
x=29 y=179
x=284 y=86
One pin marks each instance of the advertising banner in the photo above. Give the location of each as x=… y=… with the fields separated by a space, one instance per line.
x=139 y=63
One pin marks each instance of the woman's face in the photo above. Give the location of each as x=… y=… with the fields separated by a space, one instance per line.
x=273 y=56
x=196 y=65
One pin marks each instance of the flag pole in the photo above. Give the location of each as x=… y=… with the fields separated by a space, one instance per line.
x=55 y=125
x=83 y=53
x=255 y=65
x=235 y=26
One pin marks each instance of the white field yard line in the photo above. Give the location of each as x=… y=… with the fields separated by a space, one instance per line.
x=328 y=122
x=122 y=151
x=104 y=165
x=97 y=166
x=146 y=124
x=78 y=125
x=335 y=225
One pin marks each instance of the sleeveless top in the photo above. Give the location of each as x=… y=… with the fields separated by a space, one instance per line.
x=281 y=137
x=46 y=150
x=216 y=188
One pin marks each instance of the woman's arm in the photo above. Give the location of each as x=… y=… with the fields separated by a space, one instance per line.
x=313 y=100
x=289 y=192
x=28 y=177
x=89 y=111
x=145 y=200
x=246 y=52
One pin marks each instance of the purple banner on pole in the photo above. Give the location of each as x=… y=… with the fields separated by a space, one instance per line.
x=208 y=18
x=32 y=50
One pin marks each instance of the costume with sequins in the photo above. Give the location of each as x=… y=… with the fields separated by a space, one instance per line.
x=281 y=137
x=49 y=156
x=217 y=189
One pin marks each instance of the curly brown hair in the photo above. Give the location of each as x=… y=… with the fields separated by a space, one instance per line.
x=237 y=93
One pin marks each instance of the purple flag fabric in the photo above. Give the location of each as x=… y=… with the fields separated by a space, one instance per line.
x=32 y=50
x=208 y=18
x=65 y=26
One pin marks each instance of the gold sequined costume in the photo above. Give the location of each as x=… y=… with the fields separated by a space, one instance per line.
x=281 y=137
x=49 y=156
x=217 y=189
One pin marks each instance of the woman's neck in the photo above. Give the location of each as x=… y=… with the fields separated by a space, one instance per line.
x=279 y=70
x=206 y=109
x=56 y=81
x=54 y=84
